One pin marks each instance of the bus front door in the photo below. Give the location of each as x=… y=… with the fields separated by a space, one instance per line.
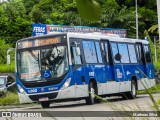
x=78 y=69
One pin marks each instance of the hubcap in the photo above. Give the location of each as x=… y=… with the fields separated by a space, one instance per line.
x=92 y=93
x=133 y=89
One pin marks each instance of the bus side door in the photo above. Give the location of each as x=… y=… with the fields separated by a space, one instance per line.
x=145 y=66
x=107 y=58
x=77 y=68
x=106 y=53
x=141 y=67
x=120 y=60
x=148 y=62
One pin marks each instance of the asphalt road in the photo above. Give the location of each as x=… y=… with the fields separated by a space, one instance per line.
x=75 y=110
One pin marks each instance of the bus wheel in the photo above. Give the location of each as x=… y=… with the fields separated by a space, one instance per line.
x=90 y=99
x=132 y=94
x=45 y=104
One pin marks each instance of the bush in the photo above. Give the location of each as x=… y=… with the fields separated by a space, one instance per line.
x=4 y=68
x=157 y=65
x=10 y=99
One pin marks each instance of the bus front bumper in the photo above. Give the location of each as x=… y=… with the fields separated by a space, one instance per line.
x=47 y=96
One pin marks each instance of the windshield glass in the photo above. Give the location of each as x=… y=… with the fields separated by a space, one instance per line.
x=2 y=80
x=29 y=65
x=46 y=63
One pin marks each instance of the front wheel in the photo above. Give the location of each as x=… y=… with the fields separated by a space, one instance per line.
x=91 y=98
x=45 y=104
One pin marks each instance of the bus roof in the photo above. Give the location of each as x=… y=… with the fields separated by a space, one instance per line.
x=94 y=36
x=110 y=37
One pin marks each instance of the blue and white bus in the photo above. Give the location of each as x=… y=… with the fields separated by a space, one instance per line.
x=74 y=66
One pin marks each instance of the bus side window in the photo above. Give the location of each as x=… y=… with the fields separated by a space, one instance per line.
x=115 y=53
x=147 y=53
x=132 y=53
x=76 y=60
x=103 y=51
x=99 y=55
x=89 y=52
x=123 y=50
x=106 y=51
x=139 y=53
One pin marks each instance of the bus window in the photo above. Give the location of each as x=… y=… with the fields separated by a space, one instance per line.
x=124 y=53
x=139 y=53
x=132 y=53
x=76 y=59
x=98 y=52
x=89 y=52
x=147 y=54
x=115 y=52
x=106 y=49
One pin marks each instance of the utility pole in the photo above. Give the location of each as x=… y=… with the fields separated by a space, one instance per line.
x=155 y=49
x=158 y=12
x=136 y=20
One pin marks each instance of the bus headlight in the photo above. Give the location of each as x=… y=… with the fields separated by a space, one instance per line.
x=21 y=89
x=66 y=84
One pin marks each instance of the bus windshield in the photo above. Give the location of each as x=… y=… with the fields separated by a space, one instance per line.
x=44 y=63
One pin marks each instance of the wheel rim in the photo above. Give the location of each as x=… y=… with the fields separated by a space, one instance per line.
x=133 y=89
x=92 y=93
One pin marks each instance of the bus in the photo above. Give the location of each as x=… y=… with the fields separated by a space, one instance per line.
x=75 y=66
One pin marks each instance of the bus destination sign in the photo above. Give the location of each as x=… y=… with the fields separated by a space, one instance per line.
x=38 y=42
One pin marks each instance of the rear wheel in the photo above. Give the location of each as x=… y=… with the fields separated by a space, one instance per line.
x=133 y=93
x=45 y=104
x=91 y=98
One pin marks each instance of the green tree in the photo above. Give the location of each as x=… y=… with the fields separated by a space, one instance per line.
x=89 y=9
x=13 y=22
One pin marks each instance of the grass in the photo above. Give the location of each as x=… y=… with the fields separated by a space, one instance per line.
x=4 y=68
x=152 y=90
x=157 y=65
x=11 y=98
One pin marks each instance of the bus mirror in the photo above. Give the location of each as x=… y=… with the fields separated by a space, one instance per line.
x=78 y=53
x=118 y=57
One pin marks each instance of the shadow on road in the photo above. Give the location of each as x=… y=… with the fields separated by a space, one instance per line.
x=72 y=104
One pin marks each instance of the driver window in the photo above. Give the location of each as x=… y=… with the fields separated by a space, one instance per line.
x=76 y=60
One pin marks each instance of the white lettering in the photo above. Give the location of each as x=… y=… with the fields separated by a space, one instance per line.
x=32 y=91
x=39 y=29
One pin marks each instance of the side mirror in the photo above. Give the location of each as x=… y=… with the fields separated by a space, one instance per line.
x=118 y=57
x=78 y=52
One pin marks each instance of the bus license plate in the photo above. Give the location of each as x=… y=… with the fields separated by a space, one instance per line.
x=43 y=99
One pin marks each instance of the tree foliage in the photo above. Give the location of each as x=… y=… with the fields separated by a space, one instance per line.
x=17 y=16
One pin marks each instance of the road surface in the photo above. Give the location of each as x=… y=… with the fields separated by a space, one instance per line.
x=75 y=110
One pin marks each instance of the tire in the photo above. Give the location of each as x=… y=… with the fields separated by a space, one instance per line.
x=90 y=100
x=132 y=94
x=45 y=104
